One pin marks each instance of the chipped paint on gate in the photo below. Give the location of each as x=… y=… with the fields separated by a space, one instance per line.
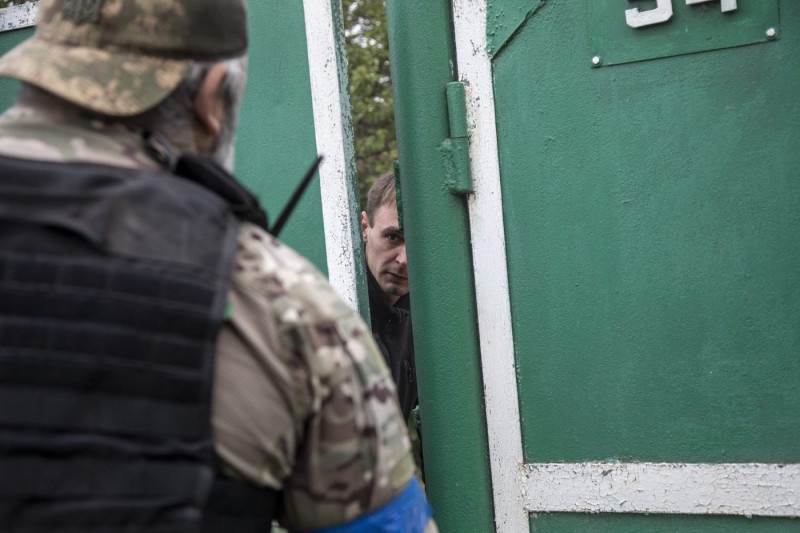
x=502 y=25
x=334 y=135
x=747 y=489
x=18 y=16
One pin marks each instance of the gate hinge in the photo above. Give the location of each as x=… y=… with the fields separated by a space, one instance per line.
x=455 y=149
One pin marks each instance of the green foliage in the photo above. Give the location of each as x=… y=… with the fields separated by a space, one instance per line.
x=367 y=45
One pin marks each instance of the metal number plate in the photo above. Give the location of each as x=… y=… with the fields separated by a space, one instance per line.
x=624 y=31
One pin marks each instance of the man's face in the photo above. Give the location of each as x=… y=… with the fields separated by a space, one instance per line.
x=385 y=247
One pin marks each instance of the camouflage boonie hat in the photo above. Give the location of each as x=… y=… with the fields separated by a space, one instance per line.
x=122 y=57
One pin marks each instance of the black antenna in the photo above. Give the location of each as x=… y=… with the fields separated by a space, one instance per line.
x=287 y=211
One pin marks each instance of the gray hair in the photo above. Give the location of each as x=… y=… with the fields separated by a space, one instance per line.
x=174 y=117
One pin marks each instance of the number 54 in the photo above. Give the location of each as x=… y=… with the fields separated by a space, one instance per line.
x=663 y=12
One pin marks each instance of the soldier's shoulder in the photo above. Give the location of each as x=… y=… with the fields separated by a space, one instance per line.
x=29 y=133
x=354 y=418
x=297 y=290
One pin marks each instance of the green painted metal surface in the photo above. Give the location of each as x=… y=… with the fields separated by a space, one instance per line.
x=455 y=159
x=275 y=144
x=692 y=28
x=572 y=523
x=440 y=273
x=455 y=149
x=652 y=213
x=8 y=87
x=457 y=109
x=504 y=18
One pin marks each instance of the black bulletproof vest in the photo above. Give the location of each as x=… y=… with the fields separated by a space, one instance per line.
x=112 y=292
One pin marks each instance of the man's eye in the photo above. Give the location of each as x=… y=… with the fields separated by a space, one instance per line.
x=393 y=237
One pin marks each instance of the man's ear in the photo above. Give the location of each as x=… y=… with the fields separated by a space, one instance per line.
x=364 y=225
x=208 y=105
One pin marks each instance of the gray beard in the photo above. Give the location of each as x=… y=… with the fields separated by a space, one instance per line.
x=224 y=148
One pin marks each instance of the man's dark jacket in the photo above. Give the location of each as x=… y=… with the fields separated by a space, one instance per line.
x=391 y=326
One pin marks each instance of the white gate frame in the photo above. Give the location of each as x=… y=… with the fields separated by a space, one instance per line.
x=18 y=16
x=519 y=488
x=490 y=270
x=334 y=136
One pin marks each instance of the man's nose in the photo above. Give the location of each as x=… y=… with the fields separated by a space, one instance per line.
x=401 y=257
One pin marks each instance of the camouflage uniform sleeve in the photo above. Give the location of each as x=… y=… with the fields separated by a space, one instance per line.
x=303 y=401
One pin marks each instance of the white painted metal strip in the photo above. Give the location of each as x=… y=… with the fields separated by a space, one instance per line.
x=331 y=105
x=740 y=489
x=749 y=489
x=19 y=16
x=491 y=275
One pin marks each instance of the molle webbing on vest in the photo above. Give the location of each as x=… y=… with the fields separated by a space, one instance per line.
x=112 y=290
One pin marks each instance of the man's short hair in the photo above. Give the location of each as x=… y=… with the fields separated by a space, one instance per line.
x=381 y=193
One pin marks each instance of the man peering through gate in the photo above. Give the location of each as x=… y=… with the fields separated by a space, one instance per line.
x=389 y=301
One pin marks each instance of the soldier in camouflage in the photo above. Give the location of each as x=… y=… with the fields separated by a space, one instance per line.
x=303 y=411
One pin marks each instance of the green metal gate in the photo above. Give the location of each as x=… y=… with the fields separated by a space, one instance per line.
x=635 y=259
x=295 y=106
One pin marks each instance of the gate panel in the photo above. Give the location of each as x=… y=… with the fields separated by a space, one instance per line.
x=651 y=214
